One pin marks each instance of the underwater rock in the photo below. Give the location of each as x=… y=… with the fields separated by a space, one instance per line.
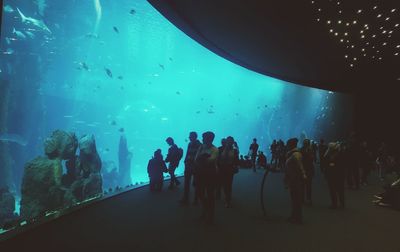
x=124 y=158
x=110 y=174
x=89 y=159
x=61 y=145
x=41 y=187
x=92 y=186
x=7 y=206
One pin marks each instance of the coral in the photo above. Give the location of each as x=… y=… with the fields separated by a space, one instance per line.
x=61 y=145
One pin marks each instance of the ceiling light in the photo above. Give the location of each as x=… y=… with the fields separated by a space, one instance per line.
x=393 y=10
x=312 y=2
x=319 y=9
x=390 y=32
x=396 y=54
x=341 y=40
x=384 y=43
x=355 y=59
x=379 y=15
x=379 y=58
x=374 y=36
x=396 y=25
x=375 y=7
x=346 y=56
x=347 y=24
x=352 y=46
x=351 y=65
x=361 y=31
x=339 y=21
x=331 y=30
x=362 y=36
x=384 y=31
x=345 y=34
x=336 y=33
x=398 y=46
x=387 y=18
x=338 y=3
x=359 y=11
x=364 y=54
x=328 y=22
x=318 y=19
x=363 y=49
x=355 y=22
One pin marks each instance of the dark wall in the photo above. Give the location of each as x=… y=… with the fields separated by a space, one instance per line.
x=377 y=116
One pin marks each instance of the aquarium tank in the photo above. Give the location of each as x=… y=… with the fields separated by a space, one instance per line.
x=90 y=89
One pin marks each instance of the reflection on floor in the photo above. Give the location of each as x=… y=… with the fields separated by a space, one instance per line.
x=142 y=221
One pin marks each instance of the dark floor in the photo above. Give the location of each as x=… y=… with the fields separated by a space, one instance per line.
x=142 y=221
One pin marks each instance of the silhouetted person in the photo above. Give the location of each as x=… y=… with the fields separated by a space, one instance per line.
x=219 y=178
x=308 y=164
x=262 y=160
x=294 y=180
x=206 y=175
x=364 y=161
x=192 y=149
x=281 y=150
x=322 y=148
x=334 y=173
x=228 y=161
x=253 y=153
x=155 y=168
x=173 y=158
x=274 y=153
x=242 y=162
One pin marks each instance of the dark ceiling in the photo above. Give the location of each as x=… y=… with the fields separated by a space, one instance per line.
x=349 y=46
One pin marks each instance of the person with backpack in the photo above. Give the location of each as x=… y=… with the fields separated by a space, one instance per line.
x=155 y=168
x=253 y=153
x=295 y=176
x=228 y=162
x=173 y=157
x=193 y=146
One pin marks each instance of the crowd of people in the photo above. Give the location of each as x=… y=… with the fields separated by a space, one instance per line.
x=210 y=170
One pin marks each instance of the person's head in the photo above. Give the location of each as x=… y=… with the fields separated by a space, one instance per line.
x=157 y=153
x=241 y=156
x=274 y=141
x=208 y=137
x=306 y=143
x=261 y=153
x=192 y=136
x=292 y=143
x=229 y=141
x=223 y=141
x=170 y=141
x=254 y=140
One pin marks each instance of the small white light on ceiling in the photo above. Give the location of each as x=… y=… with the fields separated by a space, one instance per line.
x=312 y=2
x=355 y=59
x=319 y=9
x=355 y=22
x=363 y=49
x=359 y=11
x=361 y=31
x=318 y=19
x=393 y=10
x=390 y=32
x=379 y=15
x=328 y=22
x=351 y=65
x=365 y=25
x=398 y=46
x=330 y=30
x=345 y=34
x=396 y=54
x=387 y=18
x=364 y=54
x=336 y=33
x=367 y=43
x=362 y=36
x=352 y=46
x=338 y=3
x=373 y=57
x=374 y=36
x=340 y=12
x=347 y=24
x=396 y=25
x=384 y=43
x=375 y=7
x=384 y=31
x=346 y=56
x=339 y=21
x=379 y=58
x=341 y=40
x=381 y=27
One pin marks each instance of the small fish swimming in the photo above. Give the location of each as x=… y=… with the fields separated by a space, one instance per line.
x=109 y=73
x=113 y=123
x=132 y=12
x=121 y=130
x=170 y=59
x=9 y=51
x=178 y=93
x=198 y=112
x=161 y=66
x=8 y=9
x=120 y=77
x=84 y=66
x=115 y=29
x=19 y=34
x=92 y=35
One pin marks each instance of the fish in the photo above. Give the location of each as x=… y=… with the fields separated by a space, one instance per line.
x=84 y=66
x=80 y=122
x=13 y=138
x=19 y=34
x=109 y=73
x=30 y=34
x=198 y=112
x=170 y=59
x=113 y=123
x=92 y=35
x=35 y=22
x=115 y=29
x=127 y=107
x=68 y=116
x=121 y=130
x=161 y=66
x=132 y=12
x=120 y=77
x=210 y=111
x=8 y=9
x=178 y=93
x=9 y=51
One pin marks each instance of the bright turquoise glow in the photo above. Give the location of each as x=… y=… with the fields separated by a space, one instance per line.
x=169 y=85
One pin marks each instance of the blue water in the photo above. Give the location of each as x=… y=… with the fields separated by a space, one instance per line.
x=163 y=84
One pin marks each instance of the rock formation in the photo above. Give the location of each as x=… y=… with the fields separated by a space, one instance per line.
x=124 y=157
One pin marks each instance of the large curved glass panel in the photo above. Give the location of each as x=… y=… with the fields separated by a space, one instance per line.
x=119 y=68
